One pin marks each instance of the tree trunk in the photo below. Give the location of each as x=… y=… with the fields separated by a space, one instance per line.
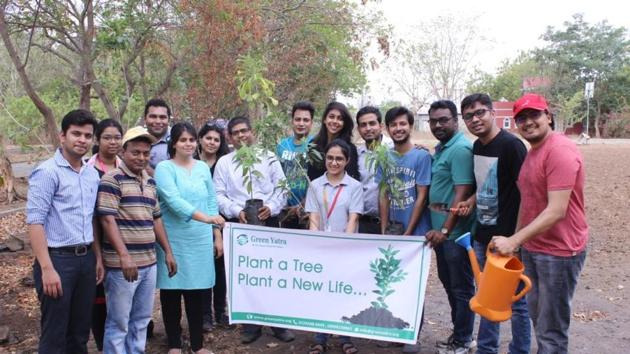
x=7 y=185
x=49 y=117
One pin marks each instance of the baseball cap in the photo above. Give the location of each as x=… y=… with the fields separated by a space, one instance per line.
x=531 y=101
x=137 y=132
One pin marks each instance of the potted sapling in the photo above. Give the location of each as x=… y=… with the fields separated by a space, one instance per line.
x=246 y=157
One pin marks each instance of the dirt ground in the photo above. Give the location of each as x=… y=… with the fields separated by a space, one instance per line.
x=600 y=321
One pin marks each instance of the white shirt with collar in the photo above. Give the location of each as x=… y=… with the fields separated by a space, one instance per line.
x=231 y=191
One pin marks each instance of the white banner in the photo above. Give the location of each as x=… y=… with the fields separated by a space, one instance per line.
x=369 y=286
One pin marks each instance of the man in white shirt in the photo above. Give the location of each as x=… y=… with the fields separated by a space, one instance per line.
x=228 y=179
x=232 y=194
x=370 y=126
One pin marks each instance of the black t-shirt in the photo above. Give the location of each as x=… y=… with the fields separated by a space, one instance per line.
x=497 y=166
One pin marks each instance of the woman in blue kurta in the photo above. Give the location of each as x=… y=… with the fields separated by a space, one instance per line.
x=189 y=212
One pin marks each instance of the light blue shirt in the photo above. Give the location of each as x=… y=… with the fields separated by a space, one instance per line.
x=63 y=201
x=159 y=150
x=288 y=152
x=182 y=192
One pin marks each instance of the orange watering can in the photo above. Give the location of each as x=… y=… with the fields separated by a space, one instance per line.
x=497 y=284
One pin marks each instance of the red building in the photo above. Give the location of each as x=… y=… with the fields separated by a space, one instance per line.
x=503 y=115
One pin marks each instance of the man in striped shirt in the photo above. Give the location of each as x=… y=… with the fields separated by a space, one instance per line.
x=130 y=215
x=59 y=213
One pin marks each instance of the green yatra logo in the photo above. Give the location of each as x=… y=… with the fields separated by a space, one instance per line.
x=242 y=239
x=386 y=271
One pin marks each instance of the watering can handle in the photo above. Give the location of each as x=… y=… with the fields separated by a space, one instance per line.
x=528 y=286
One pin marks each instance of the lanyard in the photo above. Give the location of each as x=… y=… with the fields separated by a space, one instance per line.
x=334 y=202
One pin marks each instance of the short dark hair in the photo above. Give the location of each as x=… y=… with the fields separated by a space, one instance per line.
x=444 y=104
x=303 y=106
x=236 y=121
x=396 y=112
x=157 y=102
x=470 y=101
x=367 y=110
x=78 y=117
x=176 y=132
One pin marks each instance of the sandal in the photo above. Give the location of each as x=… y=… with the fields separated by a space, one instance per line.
x=316 y=349
x=349 y=348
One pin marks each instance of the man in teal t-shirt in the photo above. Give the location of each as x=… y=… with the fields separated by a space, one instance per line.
x=292 y=152
x=452 y=181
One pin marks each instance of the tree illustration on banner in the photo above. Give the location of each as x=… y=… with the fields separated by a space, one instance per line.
x=386 y=271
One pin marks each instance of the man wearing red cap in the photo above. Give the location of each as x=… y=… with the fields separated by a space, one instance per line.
x=551 y=227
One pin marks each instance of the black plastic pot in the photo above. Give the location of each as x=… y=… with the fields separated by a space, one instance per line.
x=394 y=228
x=251 y=209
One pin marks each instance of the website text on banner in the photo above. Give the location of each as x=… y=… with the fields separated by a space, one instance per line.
x=369 y=286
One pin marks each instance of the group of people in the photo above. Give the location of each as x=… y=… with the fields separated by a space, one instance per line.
x=147 y=209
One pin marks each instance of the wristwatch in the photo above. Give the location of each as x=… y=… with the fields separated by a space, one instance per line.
x=444 y=231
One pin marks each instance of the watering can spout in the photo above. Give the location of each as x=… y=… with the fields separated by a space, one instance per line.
x=465 y=241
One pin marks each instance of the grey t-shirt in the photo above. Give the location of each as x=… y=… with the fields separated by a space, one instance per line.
x=320 y=196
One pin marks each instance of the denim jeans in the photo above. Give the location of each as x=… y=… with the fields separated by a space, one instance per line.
x=488 y=335
x=129 y=309
x=455 y=273
x=553 y=284
x=66 y=320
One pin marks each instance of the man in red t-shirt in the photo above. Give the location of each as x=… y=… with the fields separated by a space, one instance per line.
x=552 y=223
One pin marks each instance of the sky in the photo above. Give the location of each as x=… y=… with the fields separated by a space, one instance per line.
x=510 y=26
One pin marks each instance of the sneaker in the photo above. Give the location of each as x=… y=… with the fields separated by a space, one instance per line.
x=411 y=348
x=444 y=344
x=284 y=335
x=455 y=348
x=250 y=337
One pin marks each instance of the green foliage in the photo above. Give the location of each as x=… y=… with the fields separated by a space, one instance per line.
x=386 y=272
x=381 y=159
x=253 y=87
x=569 y=109
x=508 y=82
x=246 y=157
x=298 y=169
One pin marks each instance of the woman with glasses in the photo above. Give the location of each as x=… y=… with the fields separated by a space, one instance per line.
x=335 y=202
x=336 y=124
x=190 y=214
x=105 y=158
x=212 y=146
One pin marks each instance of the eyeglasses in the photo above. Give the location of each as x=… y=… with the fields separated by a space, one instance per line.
x=528 y=114
x=441 y=120
x=111 y=137
x=478 y=113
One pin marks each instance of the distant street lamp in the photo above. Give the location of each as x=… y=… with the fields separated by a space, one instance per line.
x=589 y=87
